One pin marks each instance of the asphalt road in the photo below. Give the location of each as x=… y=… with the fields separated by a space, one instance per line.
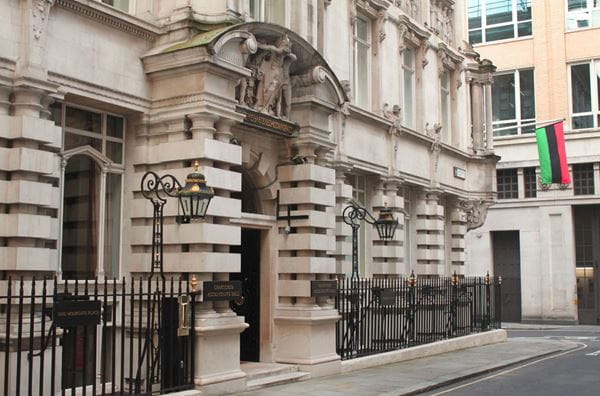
x=574 y=373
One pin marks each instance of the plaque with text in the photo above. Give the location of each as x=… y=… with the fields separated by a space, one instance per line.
x=323 y=288
x=385 y=296
x=268 y=123
x=71 y=313
x=222 y=290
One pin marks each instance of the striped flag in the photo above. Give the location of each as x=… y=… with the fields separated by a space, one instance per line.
x=553 y=157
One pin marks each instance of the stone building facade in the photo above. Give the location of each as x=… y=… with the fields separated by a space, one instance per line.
x=301 y=105
x=543 y=240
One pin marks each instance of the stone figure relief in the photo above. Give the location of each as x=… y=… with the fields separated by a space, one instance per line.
x=39 y=13
x=395 y=115
x=269 y=88
x=476 y=211
x=435 y=132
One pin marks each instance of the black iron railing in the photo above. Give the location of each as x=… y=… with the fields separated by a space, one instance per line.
x=380 y=315
x=109 y=337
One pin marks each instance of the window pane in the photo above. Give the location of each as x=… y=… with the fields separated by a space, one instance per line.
x=73 y=140
x=83 y=119
x=580 y=90
x=500 y=33
x=507 y=183
x=362 y=75
x=583 y=179
x=596 y=17
x=362 y=29
x=503 y=97
x=254 y=8
x=56 y=113
x=576 y=4
x=114 y=151
x=598 y=82
x=114 y=126
x=122 y=5
x=498 y=11
x=409 y=58
x=523 y=10
x=582 y=122
x=475 y=13
x=524 y=29
x=80 y=218
x=112 y=224
x=530 y=182
x=277 y=12
x=408 y=98
x=507 y=131
x=475 y=37
x=527 y=94
x=578 y=19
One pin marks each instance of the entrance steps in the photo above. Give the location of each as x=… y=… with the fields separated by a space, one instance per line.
x=262 y=375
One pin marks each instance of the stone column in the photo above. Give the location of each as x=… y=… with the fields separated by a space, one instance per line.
x=430 y=233
x=489 y=129
x=477 y=116
x=305 y=327
x=388 y=256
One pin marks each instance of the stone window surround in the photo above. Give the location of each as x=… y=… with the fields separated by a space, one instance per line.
x=594 y=91
x=106 y=166
x=518 y=121
x=483 y=26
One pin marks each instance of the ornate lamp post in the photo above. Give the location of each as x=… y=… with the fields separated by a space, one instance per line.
x=385 y=224
x=193 y=200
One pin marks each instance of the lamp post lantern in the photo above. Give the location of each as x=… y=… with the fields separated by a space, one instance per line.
x=193 y=201
x=385 y=224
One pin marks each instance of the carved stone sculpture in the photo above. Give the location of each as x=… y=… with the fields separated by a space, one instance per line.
x=269 y=88
x=476 y=211
x=395 y=116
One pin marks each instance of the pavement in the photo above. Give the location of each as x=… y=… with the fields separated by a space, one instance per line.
x=425 y=374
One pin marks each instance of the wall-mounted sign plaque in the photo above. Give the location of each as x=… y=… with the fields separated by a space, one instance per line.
x=460 y=173
x=268 y=123
x=323 y=288
x=70 y=313
x=385 y=296
x=222 y=290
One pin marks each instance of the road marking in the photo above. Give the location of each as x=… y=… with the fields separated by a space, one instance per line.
x=597 y=353
x=583 y=346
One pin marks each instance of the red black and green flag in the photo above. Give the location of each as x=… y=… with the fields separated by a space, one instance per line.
x=553 y=157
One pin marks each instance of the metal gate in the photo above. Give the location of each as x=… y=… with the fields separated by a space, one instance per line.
x=106 y=337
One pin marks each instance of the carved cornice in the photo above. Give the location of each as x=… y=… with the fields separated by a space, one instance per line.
x=447 y=58
x=131 y=26
x=410 y=33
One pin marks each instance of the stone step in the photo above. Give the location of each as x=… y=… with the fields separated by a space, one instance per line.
x=261 y=370
x=278 y=379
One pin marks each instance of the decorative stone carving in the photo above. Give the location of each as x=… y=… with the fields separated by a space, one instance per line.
x=39 y=12
x=269 y=88
x=435 y=132
x=381 y=18
x=410 y=7
x=442 y=19
x=442 y=59
x=424 y=49
x=476 y=211
x=347 y=87
x=395 y=115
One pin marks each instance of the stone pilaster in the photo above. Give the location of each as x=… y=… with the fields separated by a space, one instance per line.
x=477 y=116
x=458 y=226
x=430 y=233
x=388 y=256
x=29 y=170
x=305 y=325
x=343 y=232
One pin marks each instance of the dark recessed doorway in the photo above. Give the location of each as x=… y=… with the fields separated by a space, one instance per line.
x=507 y=264
x=249 y=305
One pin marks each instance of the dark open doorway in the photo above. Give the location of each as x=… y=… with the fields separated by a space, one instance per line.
x=249 y=306
x=507 y=264
x=587 y=257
